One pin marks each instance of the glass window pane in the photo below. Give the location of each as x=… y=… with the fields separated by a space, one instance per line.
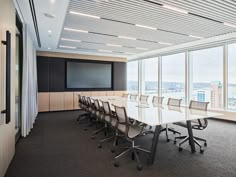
x=173 y=76
x=232 y=77
x=207 y=76
x=150 y=76
x=132 y=77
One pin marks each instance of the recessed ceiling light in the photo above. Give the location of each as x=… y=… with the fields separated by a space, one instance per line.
x=165 y=43
x=124 y=37
x=82 y=14
x=49 y=48
x=75 y=30
x=148 y=27
x=108 y=51
x=130 y=53
x=197 y=37
x=113 y=45
x=140 y=48
x=72 y=40
x=175 y=9
x=229 y=24
x=68 y=47
x=49 y=15
x=49 y=31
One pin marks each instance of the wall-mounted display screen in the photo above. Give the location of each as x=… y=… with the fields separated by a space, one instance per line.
x=82 y=75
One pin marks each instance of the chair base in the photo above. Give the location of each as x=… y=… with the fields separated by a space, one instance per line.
x=195 y=139
x=167 y=130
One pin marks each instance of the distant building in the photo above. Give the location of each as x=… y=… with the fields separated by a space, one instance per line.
x=201 y=95
x=216 y=94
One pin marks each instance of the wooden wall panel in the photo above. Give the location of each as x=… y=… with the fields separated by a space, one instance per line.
x=69 y=100
x=119 y=93
x=110 y=93
x=57 y=101
x=43 y=102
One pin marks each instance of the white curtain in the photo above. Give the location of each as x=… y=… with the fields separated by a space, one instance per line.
x=29 y=85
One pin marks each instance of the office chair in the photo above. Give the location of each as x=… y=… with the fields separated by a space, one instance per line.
x=109 y=119
x=81 y=104
x=171 y=102
x=156 y=100
x=199 y=124
x=144 y=99
x=125 y=95
x=133 y=97
x=131 y=132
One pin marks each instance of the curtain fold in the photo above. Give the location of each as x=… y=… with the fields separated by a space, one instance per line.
x=29 y=84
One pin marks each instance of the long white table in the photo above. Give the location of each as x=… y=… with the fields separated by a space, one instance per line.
x=157 y=115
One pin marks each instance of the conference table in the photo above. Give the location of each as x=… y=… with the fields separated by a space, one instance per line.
x=156 y=115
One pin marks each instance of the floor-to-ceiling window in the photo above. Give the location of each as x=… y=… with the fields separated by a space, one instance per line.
x=173 y=76
x=232 y=77
x=132 y=77
x=207 y=76
x=149 y=85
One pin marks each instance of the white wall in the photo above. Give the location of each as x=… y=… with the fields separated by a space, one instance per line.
x=7 y=132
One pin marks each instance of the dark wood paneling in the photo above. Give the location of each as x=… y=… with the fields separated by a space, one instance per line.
x=43 y=74
x=56 y=75
x=119 y=76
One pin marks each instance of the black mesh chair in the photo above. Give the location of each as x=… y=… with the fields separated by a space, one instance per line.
x=130 y=132
x=110 y=121
x=171 y=102
x=144 y=99
x=156 y=100
x=133 y=97
x=199 y=124
x=125 y=95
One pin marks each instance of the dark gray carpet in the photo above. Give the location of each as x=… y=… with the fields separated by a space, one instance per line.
x=59 y=147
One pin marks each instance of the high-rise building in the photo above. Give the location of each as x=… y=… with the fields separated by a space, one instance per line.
x=201 y=95
x=216 y=94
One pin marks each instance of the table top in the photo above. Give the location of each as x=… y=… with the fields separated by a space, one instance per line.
x=156 y=114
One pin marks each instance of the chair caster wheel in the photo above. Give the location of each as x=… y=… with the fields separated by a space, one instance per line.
x=113 y=150
x=205 y=144
x=116 y=164
x=139 y=167
x=201 y=151
x=168 y=140
x=85 y=129
x=180 y=148
x=99 y=146
x=174 y=141
x=92 y=137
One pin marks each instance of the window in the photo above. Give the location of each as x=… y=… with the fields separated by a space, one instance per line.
x=173 y=76
x=132 y=77
x=150 y=76
x=232 y=77
x=207 y=76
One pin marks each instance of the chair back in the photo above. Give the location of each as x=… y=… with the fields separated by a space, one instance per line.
x=106 y=107
x=133 y=97
x=157 y=100
x=125 y=95
x=97 y=106
x=174 y=102
x=121 y=114
x=199 y=105
x=144 y=98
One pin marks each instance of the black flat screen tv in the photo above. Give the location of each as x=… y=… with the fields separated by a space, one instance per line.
x=88 y=75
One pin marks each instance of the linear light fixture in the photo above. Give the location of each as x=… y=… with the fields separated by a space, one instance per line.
x=197 y=37
x=148 y=27
x=113 y=45
x=175 y=9
x=229 y=24
x=125 y=37
x=128 y=53
x=165 y=43
x=82 y=14
x=108 y=51
x=140 y=48
x=75 y=30
x=72 y=40
x=68 y=47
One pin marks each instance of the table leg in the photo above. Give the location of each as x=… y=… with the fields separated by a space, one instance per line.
x=190 y=133
x=154 y=144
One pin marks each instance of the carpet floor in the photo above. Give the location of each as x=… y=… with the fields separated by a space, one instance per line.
x=58 y=146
